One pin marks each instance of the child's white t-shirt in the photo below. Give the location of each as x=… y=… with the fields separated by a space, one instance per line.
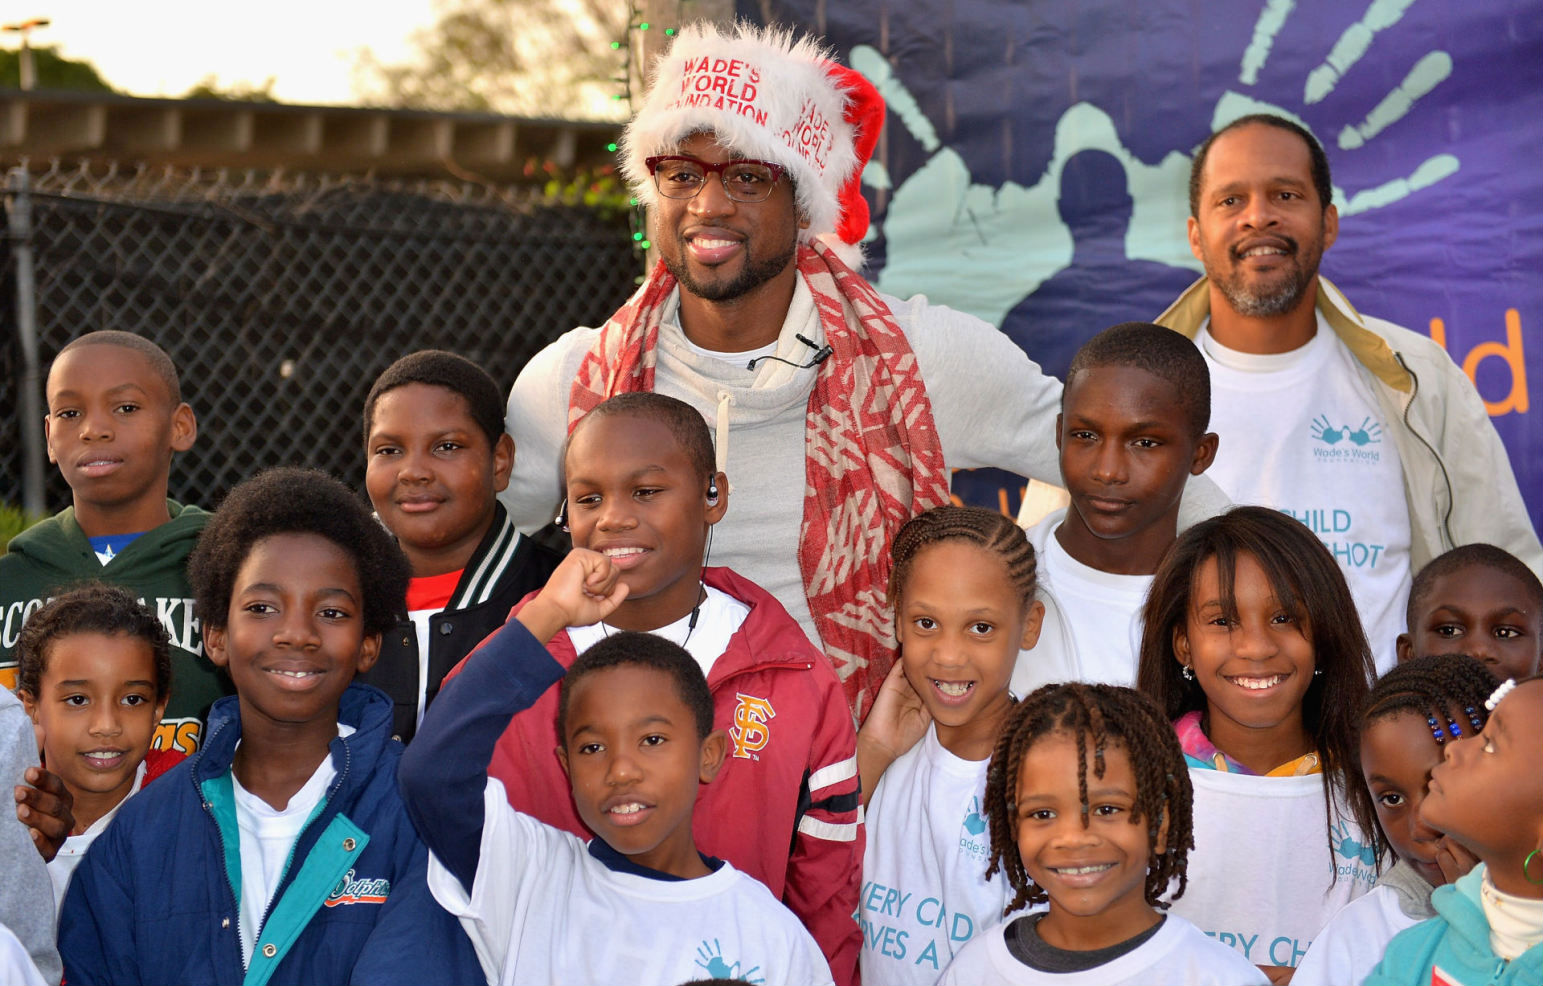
x=1177 y=955
x=62 y=866
x=1353 y=942
x=1259 y=875
x=1101 y=613
x=267 y=837
x=1303 y=432
x=924 y=891
x=16 y=965
x=543 y=910
x=718 y=618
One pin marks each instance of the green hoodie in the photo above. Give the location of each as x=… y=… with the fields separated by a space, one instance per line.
x=53 y=555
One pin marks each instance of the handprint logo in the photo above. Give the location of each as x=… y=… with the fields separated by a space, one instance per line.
x=710 y=959
x=1427 y=72
x=1325 y=432
x=1370 y=433
x=1350 y=847
x=983 y=249
x=974 y=822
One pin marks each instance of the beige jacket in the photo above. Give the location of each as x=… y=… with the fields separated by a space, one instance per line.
x=1457 y=478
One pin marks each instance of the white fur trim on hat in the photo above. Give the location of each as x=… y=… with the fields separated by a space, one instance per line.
x=761 y=94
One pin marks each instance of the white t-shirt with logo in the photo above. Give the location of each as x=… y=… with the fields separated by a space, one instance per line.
x=1353 y=942
x=1260 y=874
x=718 y=618
x=62 y=866
x=1177 y=955
x=1102 y=616
x=925 y=891
x=1303 y=432
x=268 y=835
x=543 y=910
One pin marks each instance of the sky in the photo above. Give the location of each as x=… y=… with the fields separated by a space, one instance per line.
x=165 y=47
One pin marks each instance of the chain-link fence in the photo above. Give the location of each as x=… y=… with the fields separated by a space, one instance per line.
x=282 y=297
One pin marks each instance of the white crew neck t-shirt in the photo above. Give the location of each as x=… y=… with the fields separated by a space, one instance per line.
x=542 y=909
x=268 y=836
x=1303 y=432
x=924 y=891
x=1260 y=876
x=1177 y=955
x=1103 y=611
x=718 y=619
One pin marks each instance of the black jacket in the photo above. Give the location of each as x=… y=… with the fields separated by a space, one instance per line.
x=503 y=569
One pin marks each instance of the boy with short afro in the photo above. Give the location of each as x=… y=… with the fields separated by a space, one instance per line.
x=115 y=419
x=1131 y=431
x=638 y=903
x=436 y=458
x=1478 y=600
x=276 y=851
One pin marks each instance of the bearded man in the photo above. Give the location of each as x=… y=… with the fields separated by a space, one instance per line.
x=1325 y=413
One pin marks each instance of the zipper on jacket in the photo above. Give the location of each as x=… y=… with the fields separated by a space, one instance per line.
x=284 y=881
x=770 y=666
x=1446 y=519
x=235 y=905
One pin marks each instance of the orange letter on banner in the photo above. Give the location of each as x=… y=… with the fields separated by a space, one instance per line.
x=1511 y=352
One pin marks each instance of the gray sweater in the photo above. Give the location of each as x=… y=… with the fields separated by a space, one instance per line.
x=26 y=895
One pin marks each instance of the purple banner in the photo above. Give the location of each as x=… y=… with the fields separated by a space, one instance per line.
x=1033 y=170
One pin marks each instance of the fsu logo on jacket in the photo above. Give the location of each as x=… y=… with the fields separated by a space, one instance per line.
x=751 y=730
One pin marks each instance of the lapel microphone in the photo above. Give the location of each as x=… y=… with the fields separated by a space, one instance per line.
x=821 y=354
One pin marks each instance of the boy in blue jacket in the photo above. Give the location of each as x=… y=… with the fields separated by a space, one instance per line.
x=278 y=849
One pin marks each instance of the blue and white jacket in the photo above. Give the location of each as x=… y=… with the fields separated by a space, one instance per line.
x=156 y=900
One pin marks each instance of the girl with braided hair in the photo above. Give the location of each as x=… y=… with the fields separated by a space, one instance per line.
x=1413 y=713
x=1252 y=647
x=1487 y=793
x=963 y=592
x=1089 y=805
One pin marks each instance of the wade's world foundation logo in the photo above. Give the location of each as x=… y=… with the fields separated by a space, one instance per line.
x=1342 y=443
x=710 y=959
x=972 y=832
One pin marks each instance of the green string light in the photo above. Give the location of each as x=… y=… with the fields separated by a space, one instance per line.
x=669 y=32
x=637 y=237
x=643 y=26
x=646 y=245
x=611 y=147
x=615 y=45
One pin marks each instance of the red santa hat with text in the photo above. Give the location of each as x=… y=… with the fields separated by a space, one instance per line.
x=768 y=97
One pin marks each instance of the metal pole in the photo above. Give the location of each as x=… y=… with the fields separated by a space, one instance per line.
x=30 y=398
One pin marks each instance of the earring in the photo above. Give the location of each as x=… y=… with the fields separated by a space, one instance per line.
x=1528 y=862
x=1188 y=673
x=1317 y=672
x=561 y=520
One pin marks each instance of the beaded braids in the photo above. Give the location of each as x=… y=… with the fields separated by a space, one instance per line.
x=1446 y=690
x=1104 y=715
x=993 y=531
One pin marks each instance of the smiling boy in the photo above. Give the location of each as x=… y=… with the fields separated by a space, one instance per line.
x=640 y=903
x=274 y=852
x=436 y=458
x=643 y=492
x=115 y=419
x=1131 y=431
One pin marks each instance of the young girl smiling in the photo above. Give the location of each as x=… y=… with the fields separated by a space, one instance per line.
x=963 y=592
x=1252 y=646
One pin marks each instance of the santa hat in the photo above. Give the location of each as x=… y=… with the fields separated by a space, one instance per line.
x=768 y=97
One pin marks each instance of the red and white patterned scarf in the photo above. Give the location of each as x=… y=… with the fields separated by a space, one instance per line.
x=872 y=456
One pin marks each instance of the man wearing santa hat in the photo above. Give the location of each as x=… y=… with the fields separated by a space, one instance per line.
x=838 y=411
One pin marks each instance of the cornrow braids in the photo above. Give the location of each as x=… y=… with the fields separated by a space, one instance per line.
x=1100 y=716
x=1446 y=690
x=974 y=525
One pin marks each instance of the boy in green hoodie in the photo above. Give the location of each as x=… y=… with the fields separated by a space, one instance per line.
x=115 y=416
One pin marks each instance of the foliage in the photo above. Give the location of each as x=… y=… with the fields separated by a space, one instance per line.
x=53 y=71
x=241 y=92
x=540 y=58
x=14 y=520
